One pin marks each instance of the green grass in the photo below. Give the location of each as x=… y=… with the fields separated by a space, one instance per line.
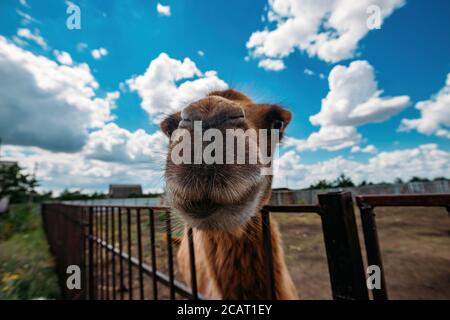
x=20 y=218
x=26 y=266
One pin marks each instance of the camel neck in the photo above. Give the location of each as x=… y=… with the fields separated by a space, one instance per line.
x=236 y=261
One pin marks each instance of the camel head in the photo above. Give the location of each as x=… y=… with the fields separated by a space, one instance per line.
x=210 y=179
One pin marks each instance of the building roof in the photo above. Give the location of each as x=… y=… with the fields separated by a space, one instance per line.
x=124 y=190
x=8 y=163
x=125 y=186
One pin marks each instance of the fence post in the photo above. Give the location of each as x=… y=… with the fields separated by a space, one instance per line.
x=372 y=245
x=192 y=265
x=344 y=257
x=267 y=242
x=91 y=253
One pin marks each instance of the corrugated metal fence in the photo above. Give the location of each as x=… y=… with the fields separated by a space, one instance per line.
x=283 y=197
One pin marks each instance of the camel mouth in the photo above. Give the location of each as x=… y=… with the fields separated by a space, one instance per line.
x=196 y=209
x=214 y=208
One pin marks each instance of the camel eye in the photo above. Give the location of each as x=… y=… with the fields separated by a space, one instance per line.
x=278 y=124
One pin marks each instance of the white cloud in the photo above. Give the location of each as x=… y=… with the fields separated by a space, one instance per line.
x=168 y=85
x=81 y=46
x=424 y=161
x=353 y=100
x=272 y=64
x=19 y=41
x=123 y=87
x=115 y=144
x=330 y=30
x=163 y=10
x=99 y=53
x=308 y=72
x=367 y=149
x=63 y=170
x=311 y=73
x=45 y=104
x=33 y=36
x=26 y=18
x=58 y=170
x=200 y=53
x=24 y=3
x=63 y=57
x=434 y=114
x=330 y=138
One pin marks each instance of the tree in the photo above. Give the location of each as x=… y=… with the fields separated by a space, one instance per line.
x=72 y=195
x=363 y=183
x=418 y=179
x=343 y=182
x=321 y=184
x=16 y=184
x=67 y=195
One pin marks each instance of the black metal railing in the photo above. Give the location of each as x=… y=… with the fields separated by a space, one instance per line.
x=367 y=204
x=115 y=246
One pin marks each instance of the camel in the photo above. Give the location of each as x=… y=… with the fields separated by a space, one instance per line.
x=222 y=203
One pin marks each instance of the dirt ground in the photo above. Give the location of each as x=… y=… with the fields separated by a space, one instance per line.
x=415 y=245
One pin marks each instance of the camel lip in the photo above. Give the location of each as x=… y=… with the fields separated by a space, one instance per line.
x=216 y=219
x=198 y=209
x=205 y=205
x=208 y=198
x=206 y=214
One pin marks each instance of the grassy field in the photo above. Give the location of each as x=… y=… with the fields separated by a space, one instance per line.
x=26 y=267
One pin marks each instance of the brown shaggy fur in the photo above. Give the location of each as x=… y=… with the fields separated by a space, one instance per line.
x=232 y=266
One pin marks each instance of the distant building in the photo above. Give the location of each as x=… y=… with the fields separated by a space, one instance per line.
x=4 y=204
x=4 y=201
x=8 y=164
x=281 y=189
x=124 y=190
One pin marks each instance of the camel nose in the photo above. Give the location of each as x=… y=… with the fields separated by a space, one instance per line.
x=212 y=115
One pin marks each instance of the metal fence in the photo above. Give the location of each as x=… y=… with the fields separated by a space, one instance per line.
x=115 y=246
x=283 y=197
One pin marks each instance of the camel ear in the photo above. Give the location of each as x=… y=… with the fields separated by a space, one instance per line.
x=170 y=124
x=277 y=117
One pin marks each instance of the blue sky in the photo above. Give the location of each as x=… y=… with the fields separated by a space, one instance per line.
x=407 y=58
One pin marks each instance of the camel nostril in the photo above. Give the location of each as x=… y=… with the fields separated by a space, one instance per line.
x=233 y=116
x=234 y=120
x=236 y=113
x=237 y=117
x=219 y=117
x=191 y=114
x=185 y=124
